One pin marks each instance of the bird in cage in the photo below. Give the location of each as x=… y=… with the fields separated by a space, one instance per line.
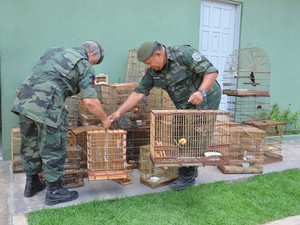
x=259 y=107
x=182 y=141
x=252 y=78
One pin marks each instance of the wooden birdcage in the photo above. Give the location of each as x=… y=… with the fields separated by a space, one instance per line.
x=247 y=83
x=73 y=157
x=154 y=176
x=246 y=150
x=15 y=145
x=72 y=105
x=86 y=117
x=273 y=138
x=71 y=178
x=101 y=79
x=135 y=69
x=159 y=99
x=106 y=154
x=114 y=95
x=189 y=137
x=78 y=138
x=136 y=138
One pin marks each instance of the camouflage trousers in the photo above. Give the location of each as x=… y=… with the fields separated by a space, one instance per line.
x=43 y=148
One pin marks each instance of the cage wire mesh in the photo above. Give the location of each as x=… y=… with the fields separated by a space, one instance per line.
x=247 y=83
x=189 y=137
x=246 y=150
x=135 y=69
x=106 y=154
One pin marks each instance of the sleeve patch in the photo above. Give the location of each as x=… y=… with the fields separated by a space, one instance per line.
x=196 y=56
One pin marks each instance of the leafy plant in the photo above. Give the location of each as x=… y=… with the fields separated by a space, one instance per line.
x=290 y=118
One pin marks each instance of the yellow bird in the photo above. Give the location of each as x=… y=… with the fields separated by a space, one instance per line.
x=182 y=141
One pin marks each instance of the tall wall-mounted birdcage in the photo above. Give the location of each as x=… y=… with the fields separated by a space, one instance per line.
x=189 y=137
x=247 y=83
x=106 y=154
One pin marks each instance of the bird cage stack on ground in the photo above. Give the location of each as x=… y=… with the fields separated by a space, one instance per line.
x=159 y=99
x=154 y=176
x=72 y=105
x=71 y=178
x=273 y=139
x=246 y=150
x=79 y=139
x=15 y=145
x=246 y=83
x=73 y=174
x=114 y=95
x=106 y=154
x=189 y=137
x=135 y=69
x=86 y=117
x=134 y=140
x=101 y=79
x=73 y=157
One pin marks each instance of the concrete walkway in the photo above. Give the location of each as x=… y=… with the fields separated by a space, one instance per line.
x=14 y=206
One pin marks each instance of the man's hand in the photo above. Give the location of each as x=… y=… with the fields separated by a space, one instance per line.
x=196 y=98
x=107 y=123
x=114 y=116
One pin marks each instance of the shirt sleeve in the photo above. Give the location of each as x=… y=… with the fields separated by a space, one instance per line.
x=145 y=85
x=197 y=63
x=86 y=81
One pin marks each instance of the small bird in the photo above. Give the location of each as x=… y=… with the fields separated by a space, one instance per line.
x=259 y=107
x=252 y=78
x=182 y=141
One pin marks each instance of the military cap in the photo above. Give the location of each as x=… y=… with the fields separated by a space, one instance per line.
x=145 y=50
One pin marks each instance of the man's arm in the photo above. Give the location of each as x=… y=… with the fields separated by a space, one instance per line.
x=132 y=100
x=94 y=106
x=208 y=81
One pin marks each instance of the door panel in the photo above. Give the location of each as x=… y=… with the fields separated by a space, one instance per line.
x=219 y=35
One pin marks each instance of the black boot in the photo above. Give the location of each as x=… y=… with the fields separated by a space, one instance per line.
x=33 y=185
x=56 y=193
x=187 y=176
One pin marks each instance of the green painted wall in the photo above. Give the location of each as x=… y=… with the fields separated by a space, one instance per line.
x=28 y=28
x=273 y=25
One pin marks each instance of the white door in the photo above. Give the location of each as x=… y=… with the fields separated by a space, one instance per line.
x=219 y=35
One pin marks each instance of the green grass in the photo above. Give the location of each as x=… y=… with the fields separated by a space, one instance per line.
x=257 y=200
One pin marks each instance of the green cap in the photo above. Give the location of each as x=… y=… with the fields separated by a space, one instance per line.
x=145 y=50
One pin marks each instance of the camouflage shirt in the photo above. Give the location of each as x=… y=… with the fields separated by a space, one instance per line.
x=181 y=77
x=60 y=72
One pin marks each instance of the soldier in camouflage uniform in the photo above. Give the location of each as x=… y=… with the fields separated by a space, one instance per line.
x=187 y=76
x=60 y=72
